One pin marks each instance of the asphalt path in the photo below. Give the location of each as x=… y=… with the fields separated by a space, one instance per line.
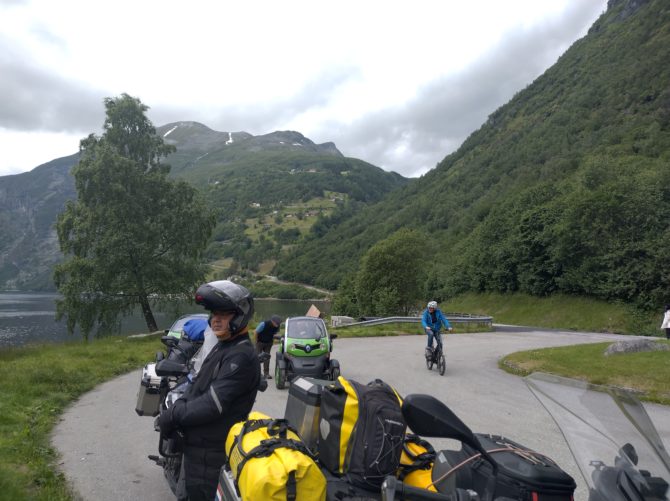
x=104 y=444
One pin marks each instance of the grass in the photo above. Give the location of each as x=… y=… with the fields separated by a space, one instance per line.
x=264 y=224
x=559 y=312
x=38 y=382
x=645 y=373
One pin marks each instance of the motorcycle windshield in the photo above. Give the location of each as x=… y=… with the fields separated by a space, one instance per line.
x=600 y=424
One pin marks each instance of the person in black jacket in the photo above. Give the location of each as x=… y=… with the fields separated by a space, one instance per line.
x=265 y=332
x=223 y=392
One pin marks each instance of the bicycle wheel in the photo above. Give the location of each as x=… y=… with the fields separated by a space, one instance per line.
x=429 y=359
x=441 y=364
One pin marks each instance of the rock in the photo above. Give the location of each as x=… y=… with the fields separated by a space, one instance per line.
x=634 y=346
x=336 y=321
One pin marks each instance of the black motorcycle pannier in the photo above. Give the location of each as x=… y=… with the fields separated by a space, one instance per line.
x=523 y=474
x=361 y=431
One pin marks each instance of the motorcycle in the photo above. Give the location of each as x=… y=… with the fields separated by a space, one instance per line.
x=614 y=442
x=175 y=372
x=608 y=431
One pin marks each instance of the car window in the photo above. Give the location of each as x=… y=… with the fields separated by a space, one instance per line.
x=305 y=329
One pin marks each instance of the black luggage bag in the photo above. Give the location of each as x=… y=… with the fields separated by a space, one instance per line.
x=523 y=474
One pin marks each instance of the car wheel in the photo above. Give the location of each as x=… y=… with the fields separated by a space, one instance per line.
x=334 y=373
x=280 y=377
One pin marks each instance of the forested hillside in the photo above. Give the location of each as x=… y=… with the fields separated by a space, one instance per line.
x=266 y=190
x=566 y=188
x=270 y=190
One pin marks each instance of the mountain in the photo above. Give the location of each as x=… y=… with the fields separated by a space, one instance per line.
x=283 y=177
x=29 y=203
x=564 y=189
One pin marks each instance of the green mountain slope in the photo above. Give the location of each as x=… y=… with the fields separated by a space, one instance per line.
x=565 y=188
x=268 y=191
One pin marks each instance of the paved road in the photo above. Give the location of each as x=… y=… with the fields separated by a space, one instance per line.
x=104 y=444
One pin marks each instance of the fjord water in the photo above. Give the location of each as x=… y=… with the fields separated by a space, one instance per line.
x=27 y=317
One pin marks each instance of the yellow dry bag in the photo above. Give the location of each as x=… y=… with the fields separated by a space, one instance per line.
x=416 y=462
x=269 y=462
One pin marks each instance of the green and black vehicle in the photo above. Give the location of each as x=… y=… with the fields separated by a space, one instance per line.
x=305 y=350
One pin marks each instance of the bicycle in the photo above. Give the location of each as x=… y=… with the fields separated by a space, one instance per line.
x=435 y=356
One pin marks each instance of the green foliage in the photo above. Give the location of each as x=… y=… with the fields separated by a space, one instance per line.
x=268 y=289
x=558 y=311
x=563 y=190
x=346 y=300
x=132 y=234
x=392 y=275
x=52 y=377
x=264 y=187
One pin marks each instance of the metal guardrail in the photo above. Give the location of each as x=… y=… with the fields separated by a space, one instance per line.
x=455 y=318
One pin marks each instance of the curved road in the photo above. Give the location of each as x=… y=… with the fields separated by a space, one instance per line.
x=104 y=445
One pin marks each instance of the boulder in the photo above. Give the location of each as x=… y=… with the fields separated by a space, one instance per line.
x=634 y=346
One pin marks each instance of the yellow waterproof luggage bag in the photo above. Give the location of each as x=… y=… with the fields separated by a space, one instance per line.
x=416 y=462
x=269 y=462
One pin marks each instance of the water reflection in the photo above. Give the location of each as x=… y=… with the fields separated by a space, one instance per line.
x=30 y=317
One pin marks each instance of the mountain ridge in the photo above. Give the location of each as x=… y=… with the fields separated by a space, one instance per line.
x=30 y=201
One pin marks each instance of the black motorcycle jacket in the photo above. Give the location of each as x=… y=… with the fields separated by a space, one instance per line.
x=223 y=394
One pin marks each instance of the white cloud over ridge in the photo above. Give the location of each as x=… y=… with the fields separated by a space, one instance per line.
x=396 y=85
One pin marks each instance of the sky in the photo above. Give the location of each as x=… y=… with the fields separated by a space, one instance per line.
x=397 y=84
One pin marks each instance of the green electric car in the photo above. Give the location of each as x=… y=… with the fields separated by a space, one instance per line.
x=304 y=350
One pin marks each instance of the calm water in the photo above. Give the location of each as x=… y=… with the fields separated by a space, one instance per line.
x=30 y=317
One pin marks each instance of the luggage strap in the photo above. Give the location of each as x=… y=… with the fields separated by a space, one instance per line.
x=266 y=447
x=421 y=461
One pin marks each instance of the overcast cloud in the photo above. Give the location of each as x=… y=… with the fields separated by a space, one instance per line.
x=397 y=84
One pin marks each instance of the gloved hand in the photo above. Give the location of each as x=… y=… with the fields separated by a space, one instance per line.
x=165 y=422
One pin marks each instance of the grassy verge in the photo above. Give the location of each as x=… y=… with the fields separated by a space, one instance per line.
x=559 y=312
x=645 y=373
x=38 y=382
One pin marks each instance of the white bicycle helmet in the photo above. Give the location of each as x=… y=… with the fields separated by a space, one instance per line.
x=432 y=304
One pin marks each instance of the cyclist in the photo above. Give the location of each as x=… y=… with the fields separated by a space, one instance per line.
x=432 y=320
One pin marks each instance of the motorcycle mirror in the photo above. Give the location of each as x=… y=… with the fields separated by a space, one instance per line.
x=277 y=337
x=629 y=451
x=169 y=341
x=159 y=356
x=333 y=336
x=170 y=368
x=429 y=417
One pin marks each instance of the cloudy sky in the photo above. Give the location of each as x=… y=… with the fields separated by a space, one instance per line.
x=397 y=84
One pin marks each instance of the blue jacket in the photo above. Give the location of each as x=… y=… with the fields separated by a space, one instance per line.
x=440 y=319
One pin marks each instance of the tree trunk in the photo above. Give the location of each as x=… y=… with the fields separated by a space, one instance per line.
x=148 y=314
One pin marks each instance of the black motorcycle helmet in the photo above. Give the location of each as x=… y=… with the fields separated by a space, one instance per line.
x=224 y=295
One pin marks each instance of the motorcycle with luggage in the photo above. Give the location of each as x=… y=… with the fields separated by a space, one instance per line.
x=164 y=381
x=358 y=437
